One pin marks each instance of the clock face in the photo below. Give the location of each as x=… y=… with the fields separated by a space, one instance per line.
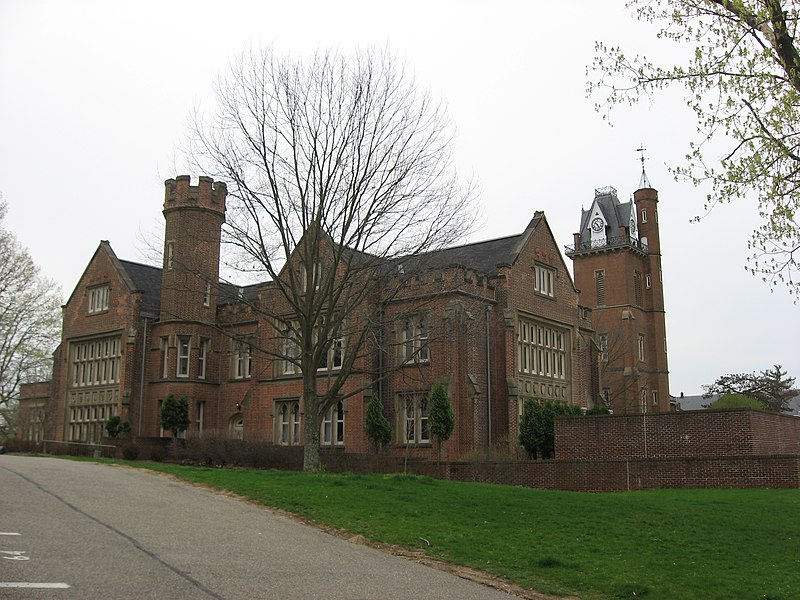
x=597 y=224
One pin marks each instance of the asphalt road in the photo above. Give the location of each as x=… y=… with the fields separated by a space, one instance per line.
x=88 y=531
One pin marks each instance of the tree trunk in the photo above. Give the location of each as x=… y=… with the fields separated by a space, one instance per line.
x=311 y=461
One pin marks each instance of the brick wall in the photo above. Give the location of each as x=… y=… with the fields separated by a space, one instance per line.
x=735 y=432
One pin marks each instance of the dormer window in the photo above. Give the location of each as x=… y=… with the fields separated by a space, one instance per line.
x=98 y=299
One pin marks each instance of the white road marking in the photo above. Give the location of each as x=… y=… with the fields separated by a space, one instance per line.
x=8 y=533
x=30 y=585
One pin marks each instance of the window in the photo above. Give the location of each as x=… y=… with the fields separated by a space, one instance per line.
x=287 y=423
x=207 y=297
x=333 y=358
x=644 y=215
x=637 y=284
x=169 y=256
x=604 y=346
x=414 y=340
x=202 y=355
x=655 y=398
x=290 y=350
x=241 y=360
x=641 y=347
x=96 y=362
x=643 y=400
x=648 y=281
x=183 y=356
x=164 y=357
x=600 y=280
x=199 y=416
x=542 y=350
x=543 y=280
x=332 y=429
x=414 y=419
x=316 y=271
x=98 y=299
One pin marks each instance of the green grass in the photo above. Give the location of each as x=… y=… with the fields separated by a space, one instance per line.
x=666 y=544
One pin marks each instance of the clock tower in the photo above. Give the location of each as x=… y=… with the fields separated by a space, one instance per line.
x=617 y=265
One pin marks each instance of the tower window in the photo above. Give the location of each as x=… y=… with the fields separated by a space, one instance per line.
x=207 y=297
x=637 y=287
x=183 y=356
x=641 y=347
x=600 y=280
x=648 y=281
x=644 y=215
x=169 y=255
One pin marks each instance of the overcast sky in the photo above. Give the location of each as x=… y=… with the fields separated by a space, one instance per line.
x=95 y=99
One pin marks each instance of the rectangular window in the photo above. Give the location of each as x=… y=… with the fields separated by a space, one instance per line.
x=644 y=215
x=287 y=422
x=414 y=340
x=164 y=357
x=290 y=350
x=199 y=416
x=637 y=287
x=207 y=296
x=413 y=413
x=316 y=277
x=542 y=350
x=648 y=281
x=98 y=299
x=242 y=360
x=543 y=280
x=600 y=280
x=183 y=356
x=641 y=347
x=96 y=362
x=655 y=398
x=335 y=354
x=604 y=346
x=202 y=356
x=332 y=429
x=169 y=256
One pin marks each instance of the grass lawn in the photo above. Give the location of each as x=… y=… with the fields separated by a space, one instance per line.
x=666 y=544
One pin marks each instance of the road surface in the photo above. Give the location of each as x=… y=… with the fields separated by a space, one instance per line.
x=80 y=530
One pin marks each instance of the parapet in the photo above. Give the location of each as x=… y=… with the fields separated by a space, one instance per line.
x=207 y=194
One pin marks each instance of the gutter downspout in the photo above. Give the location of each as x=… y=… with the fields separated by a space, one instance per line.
x=141 y=380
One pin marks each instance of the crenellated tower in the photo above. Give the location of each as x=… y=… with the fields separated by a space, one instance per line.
x=617 y=268
x=194 y=215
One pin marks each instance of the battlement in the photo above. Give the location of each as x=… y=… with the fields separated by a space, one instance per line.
x=207 y=194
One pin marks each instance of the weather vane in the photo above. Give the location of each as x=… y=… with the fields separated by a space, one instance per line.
x=641 y=149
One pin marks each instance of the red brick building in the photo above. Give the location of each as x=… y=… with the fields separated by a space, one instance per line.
x=496 y=321
x=617 y=261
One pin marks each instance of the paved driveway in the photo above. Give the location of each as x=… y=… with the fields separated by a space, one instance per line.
x=85 y=530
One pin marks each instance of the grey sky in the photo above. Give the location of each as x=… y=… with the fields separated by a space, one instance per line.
x=95 y=99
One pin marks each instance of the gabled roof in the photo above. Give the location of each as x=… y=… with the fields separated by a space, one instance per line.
x=615 y=213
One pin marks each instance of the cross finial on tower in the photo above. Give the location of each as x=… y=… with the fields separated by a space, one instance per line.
x=644 y=182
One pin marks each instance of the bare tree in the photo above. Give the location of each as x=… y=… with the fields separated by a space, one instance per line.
x=340 y=178
x=30 y=323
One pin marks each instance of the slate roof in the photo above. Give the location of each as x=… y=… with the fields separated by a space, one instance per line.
x=615 y=213
x=482 y=257
x=146 y=279
x=701 y=403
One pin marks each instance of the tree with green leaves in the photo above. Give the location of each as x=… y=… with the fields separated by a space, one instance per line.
x=30 y=325
x=441 y=419
x=116 y=426
x=174 y=414
x=735 y=401
x=772 y=387
x=378 y=428
x=741 y=78
x=537 y=428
